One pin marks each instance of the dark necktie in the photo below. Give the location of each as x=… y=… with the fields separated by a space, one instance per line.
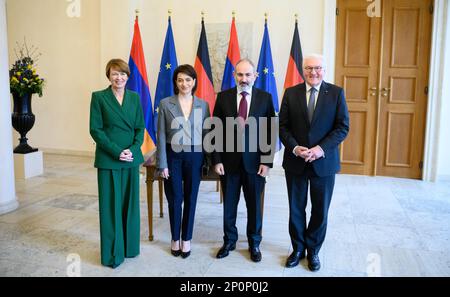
x=243 y=106
x=312 y=101
x=242 y=114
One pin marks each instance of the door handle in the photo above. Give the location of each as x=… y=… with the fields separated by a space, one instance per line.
x=386 y=89
x=373 y=89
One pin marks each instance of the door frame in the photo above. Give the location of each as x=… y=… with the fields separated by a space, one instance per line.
x=441 y=16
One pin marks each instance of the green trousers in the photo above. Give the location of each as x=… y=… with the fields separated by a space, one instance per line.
x=118 y=191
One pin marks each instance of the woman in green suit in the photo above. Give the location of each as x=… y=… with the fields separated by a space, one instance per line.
x=117 y=126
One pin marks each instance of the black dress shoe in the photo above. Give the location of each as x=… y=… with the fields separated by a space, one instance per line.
x=313 y=262
x=175 y=253
x=294 y=258
x=225 y=250
x=255 y=254
x=184 y=255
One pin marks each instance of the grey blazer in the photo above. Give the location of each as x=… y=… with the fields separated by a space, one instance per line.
x=173 y=128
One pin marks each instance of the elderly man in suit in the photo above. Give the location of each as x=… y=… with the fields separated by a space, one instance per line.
x=314 y=120
x=243 y=166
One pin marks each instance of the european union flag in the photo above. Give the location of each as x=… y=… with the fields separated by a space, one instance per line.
x=164 y=86
x=266 y=74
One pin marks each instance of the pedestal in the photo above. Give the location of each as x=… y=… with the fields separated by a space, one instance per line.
x=28 y=165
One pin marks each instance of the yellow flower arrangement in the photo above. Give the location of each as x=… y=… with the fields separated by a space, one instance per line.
x=23 y=77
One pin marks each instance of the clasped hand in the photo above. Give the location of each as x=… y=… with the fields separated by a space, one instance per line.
x=309 y=155
x=126 y=156
x=263 y=170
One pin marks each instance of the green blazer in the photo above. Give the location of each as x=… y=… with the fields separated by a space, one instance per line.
x=115 y=128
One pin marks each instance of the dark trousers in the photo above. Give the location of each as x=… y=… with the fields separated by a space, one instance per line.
x=312 y=235
x=252 y=185
x=182 y=187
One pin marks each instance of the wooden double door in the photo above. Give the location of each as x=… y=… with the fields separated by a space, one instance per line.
x=382 y=63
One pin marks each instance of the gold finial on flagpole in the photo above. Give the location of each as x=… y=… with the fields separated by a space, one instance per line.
x=203 y=15
x=137 y=13
x=233 y=13
x=265 y=16
x=296 y=17
x=169 y=11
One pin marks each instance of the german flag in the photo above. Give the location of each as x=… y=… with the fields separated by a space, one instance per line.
x=205 y=88
x=294 y=73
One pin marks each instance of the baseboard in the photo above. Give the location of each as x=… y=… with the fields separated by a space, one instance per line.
x=67 y=152
x=443 y=178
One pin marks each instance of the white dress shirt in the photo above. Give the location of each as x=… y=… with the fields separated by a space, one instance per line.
x=308 y=93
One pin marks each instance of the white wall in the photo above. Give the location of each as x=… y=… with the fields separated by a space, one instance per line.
x=75 y=50
x=69 y=64
x=8 y=199
x=443 y=164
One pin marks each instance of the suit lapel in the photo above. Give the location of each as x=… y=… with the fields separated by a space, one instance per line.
x=195 y=105
x=233 y=103
x=253 y=103
x=173 y=107
x=321 y=102
x=127 y=107
x=111 y=101
x=175 y=110
x=302 y=102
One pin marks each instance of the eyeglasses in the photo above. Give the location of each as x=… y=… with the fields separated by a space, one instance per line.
x=316 y=68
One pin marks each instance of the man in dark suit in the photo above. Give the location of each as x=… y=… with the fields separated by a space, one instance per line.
x=313 y=122
x=243 y=163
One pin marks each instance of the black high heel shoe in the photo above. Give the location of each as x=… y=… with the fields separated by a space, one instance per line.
x=184 y=255
x=176 y=253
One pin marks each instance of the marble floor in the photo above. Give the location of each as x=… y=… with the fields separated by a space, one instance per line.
x=378 y=226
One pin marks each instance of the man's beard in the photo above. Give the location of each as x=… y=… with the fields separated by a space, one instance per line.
x=245 y=87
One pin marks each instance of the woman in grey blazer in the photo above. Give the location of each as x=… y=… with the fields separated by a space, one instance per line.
x=180 y=154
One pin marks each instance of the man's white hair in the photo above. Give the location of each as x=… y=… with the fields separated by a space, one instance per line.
x=314 y=56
